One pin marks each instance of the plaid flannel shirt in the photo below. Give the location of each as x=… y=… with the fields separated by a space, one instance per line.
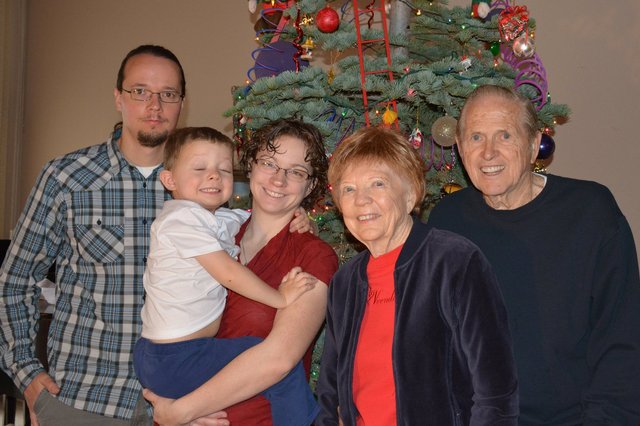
x=90 y=213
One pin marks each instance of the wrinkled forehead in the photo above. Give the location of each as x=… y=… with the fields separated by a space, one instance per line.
x=491 y=111
x=358 y=166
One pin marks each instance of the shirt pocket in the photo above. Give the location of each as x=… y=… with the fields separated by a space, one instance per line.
x=100 y=239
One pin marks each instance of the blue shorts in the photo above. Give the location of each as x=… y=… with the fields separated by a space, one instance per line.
x=173 y=370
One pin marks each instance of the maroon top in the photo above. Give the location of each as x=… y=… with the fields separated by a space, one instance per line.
x=244 y=317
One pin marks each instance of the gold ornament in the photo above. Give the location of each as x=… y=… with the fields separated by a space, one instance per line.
x=306 y=20
x=308 y=43
x=308 y=46
x=331 y=75
x=389 y=116
x=450 y=188
x=443 y=131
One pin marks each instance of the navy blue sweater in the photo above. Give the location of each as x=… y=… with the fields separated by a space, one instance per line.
x=567 y=267
x=452 y=356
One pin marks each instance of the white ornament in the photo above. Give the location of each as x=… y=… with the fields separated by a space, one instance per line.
x=416 y=138
x=253 y=5
x=466 y=63
x=483 y=9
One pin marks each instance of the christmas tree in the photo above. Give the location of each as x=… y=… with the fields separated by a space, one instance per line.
x=404 y=64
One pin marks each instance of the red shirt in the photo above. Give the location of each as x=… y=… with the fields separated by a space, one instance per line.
x=244 y=317
x=374 y=390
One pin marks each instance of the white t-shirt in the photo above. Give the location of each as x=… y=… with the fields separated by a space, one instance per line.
x=181 y=296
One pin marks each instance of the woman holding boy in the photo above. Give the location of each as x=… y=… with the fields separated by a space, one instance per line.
x=286 y=165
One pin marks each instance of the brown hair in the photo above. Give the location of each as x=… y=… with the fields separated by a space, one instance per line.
x=181 y=137
x=153 y=50
x=379 y=145
x=528 y=111
x=266 y=138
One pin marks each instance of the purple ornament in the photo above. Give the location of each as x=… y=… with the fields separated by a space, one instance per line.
x=530 y=72
x=274 y=58
x=495 y=8
x=492 y=13
x=547 y=146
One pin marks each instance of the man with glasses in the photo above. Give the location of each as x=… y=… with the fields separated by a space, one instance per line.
x=90 y=214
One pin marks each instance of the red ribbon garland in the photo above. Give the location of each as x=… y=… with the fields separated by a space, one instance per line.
x=296 y=42
x=512 y=22
x=370 y=12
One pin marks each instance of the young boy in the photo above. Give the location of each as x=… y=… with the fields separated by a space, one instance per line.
x=192 y=260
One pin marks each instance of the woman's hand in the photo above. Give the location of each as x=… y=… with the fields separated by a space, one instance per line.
x=166 y=412
x=215 y=419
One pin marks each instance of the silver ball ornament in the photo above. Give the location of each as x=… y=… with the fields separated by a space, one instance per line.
x=523 y=46
x=443 y=130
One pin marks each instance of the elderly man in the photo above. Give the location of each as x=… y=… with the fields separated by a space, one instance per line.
x=566 y=262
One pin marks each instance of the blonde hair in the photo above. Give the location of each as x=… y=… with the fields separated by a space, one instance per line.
x=181 y=137
x=378 y=145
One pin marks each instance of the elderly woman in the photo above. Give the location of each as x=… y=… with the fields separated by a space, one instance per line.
x=566 y=263
x=416 y=331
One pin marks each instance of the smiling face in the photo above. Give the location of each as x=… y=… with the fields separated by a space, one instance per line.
x=497 y=152
x=202 y=173
x=148 y=122
x=276 y=194
x=376 y=202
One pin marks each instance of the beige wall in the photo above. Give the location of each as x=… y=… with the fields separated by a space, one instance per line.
x=75 y=46
x=592 y=61
x=12 y=54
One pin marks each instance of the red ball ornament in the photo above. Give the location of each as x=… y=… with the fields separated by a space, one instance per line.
x=327 y=20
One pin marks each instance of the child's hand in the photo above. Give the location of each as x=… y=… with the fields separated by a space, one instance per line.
x=301 y=223
x=295 y=283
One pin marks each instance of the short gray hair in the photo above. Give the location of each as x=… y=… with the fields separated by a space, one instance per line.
x=529 y=115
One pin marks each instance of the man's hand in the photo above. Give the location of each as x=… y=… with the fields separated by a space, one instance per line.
x=166 y=413
x=41 y=382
